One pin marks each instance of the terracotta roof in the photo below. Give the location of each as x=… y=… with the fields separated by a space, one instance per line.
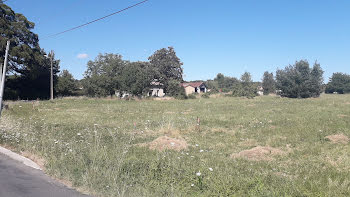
x=193 y=84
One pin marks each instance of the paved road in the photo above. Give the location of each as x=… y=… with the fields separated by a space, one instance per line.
x=18 y=180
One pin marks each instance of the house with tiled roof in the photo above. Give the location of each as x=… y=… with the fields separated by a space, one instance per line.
x=194 y=87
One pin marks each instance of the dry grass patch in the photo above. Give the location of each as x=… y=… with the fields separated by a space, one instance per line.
x=163 y=98
x=338 y=139
x=223 y=130
x=167 y=143
x=248 y=143
x=38 y=160
x=259 y=153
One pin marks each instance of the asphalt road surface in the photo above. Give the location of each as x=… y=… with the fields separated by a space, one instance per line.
x=18 y=180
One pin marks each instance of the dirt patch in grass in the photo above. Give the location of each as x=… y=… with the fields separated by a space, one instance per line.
x=342 y=115
x=163 y=98
x=166 y=143
x=259 y=153
x=338 y=139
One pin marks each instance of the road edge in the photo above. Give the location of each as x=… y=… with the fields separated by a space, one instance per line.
x=19 y=158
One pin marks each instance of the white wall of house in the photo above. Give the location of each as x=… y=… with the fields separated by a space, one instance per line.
x=158 y=92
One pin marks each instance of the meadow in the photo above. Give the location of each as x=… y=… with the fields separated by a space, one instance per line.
x=223 y=146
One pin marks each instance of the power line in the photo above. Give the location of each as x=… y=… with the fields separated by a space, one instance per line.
x=88 y=23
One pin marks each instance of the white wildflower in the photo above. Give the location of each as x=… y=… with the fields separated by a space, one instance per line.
x=199 y=173
x=197 y=145
x=201 y=151
x=79 y=134
x=211 y=169
x=192 y=185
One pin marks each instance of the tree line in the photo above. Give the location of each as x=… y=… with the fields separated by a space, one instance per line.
x=110 y=73
x=294 y=81
x=29 y=72
x=28 y=64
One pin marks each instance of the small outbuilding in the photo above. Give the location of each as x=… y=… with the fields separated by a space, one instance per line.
x=156 y=89
x=194 y=87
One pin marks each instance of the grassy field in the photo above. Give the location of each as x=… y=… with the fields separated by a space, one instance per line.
x=267 y=146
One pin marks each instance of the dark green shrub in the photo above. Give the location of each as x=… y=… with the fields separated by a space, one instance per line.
x=205 y=95
x=299 y=80
x=340 y=83
x=245 y=88
x=191 y=96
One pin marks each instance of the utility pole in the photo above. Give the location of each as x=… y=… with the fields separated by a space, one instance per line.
x=2 y=87
x=51 y=76
x=0 y=72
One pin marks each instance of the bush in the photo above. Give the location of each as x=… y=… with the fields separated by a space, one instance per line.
x=205 y=95
x=176 y=90
x=191 y=96
x=181 y=96
x=245 y=88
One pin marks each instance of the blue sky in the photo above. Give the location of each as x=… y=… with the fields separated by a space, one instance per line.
x=227 y=36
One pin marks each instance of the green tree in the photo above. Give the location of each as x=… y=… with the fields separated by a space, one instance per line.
x=220 y=79
x=226 y=84
x=136 y=78
x=176 y=90
x=212 y=85
x=268 y=83
x=299 y=81
x=167 y=66
x=29 y=69
x=339 y=82
x=101 y=76
x=66 y=84
x=246 y=87
x=249 y=88
x=315 y=82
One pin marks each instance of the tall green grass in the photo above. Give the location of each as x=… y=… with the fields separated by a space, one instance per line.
x=94 y=143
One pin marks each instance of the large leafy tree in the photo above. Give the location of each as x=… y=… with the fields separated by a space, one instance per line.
x=29 y=68
x=339 y=82
x=299 y=80
x=167 y=66
x=101 y=76
x=268 y=83
x=135 y=78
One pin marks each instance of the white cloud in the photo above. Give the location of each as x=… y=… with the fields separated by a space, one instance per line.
x=82 y=56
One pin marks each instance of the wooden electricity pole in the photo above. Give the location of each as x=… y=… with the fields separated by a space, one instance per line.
x=51 y=77
x=2 y=87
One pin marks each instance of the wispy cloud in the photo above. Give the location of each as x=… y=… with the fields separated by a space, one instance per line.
x=82 y=56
